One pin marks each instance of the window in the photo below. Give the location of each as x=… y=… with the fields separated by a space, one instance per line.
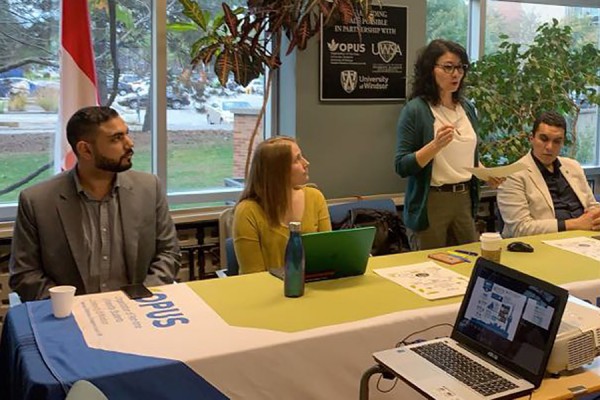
x=447 y=19
x=206 y=130
x=519 y=20
x=198 y=156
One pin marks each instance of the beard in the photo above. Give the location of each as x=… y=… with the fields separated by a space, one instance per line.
x=110 y=165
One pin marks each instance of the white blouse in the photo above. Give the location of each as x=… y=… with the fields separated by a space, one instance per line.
x=450 y=163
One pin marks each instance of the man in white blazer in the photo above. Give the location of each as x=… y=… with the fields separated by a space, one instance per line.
x=552 y=194
x=98 y=226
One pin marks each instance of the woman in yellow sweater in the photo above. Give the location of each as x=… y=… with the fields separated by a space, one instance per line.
x=275 y=195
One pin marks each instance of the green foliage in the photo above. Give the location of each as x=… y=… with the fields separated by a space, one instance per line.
x=447 y=19
x=512 y=86
x=246 y=40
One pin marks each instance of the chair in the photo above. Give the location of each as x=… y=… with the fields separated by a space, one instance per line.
x=337 y=212
x=233 y=267
x=4 y=296
x=84 y=390
x=229 y=264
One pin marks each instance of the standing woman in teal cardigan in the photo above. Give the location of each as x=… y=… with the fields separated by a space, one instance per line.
x=437 y=140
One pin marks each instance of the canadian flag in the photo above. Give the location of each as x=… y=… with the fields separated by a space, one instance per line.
x=77 y=75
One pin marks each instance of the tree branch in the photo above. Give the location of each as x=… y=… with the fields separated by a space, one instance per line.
x=25 y=61
x=24 y=43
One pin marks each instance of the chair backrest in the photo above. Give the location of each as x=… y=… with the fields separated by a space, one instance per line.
x=233 y=267
x=84 y=390
x=4 y=296
x=227 y=253
x=337 y=212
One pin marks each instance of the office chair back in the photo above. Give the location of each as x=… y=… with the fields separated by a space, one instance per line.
x=229 y=265
x=232 y=265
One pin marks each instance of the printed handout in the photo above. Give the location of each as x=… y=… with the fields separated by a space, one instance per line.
x=427 y=279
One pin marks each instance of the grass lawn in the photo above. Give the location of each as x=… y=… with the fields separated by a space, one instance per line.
x=191 y=166
x=15 y=166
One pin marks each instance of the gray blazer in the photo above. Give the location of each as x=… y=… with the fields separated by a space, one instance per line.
x=525 y=201
x=47 y=244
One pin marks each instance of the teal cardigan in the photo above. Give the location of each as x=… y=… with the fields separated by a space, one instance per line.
x=415 y=130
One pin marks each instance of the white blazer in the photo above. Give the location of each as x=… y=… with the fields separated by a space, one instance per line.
x=525 y=201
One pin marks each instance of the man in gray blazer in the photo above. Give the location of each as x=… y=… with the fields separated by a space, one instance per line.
x=552 y=194
x=98 y=226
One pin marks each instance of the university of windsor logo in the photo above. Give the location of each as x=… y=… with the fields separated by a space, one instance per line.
x=348 y=79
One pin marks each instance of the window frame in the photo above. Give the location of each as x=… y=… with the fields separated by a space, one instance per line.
x=159 y=141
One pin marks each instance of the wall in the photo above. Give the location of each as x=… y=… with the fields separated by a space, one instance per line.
x=350 y=146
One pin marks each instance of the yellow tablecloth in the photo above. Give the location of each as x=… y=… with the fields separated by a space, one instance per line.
x=258 y=302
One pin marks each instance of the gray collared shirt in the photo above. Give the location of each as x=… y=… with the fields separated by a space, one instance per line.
x=103 y=239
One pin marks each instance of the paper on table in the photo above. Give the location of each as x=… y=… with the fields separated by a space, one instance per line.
x=427 y=279
x=497 y=172
x=584 y=246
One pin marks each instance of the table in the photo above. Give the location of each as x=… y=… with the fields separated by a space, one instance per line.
x=249 y=341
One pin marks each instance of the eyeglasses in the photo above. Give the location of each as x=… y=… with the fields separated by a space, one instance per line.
x=450 y=68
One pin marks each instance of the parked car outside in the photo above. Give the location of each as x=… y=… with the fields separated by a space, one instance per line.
x=140 y=99
x=122 y=87
x=218 y=113
x=16 y=85
x=140 y=86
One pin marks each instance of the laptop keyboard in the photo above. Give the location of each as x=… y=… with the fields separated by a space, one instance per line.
x=469 y=372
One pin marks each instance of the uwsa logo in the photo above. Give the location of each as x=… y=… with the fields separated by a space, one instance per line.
x=165 y=313
x=386 y=50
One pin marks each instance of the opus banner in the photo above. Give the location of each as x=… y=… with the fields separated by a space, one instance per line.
x=366 y=59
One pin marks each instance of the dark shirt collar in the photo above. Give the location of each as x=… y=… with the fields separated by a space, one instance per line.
x=81 y=190
x=545 y=172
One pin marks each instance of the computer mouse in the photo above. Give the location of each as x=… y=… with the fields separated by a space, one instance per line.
x=520 y=247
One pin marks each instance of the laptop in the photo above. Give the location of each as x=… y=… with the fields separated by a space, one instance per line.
x=500 y=343
x=335 y=254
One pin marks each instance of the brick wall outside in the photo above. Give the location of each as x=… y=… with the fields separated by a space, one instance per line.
x=243 y=125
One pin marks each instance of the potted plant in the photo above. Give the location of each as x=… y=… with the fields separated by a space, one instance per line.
x=245 y=41
x=511 y=86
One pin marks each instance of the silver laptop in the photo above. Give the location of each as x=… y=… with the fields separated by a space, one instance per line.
x=500 y=343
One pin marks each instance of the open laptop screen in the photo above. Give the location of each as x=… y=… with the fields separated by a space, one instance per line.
x=510 y=318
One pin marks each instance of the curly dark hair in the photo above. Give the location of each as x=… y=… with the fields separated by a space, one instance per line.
x=424 y=84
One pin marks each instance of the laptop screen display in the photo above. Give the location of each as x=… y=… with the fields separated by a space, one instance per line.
x=512 y=320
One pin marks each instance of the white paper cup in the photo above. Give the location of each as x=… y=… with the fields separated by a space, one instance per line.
x=62 y=300
x=491 y=246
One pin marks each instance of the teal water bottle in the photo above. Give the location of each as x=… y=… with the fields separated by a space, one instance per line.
x=293 y=282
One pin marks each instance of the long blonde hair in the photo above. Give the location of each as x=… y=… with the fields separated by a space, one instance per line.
x=270 y=178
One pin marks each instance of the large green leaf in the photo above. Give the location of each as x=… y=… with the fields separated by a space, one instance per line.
x=192 y=10
x=181 y=27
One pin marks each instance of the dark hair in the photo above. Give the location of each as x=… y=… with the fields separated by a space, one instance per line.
x=551 y=118
x=85 y=122
x=424 y=84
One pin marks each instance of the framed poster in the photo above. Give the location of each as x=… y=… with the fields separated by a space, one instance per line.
x=365 y=60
